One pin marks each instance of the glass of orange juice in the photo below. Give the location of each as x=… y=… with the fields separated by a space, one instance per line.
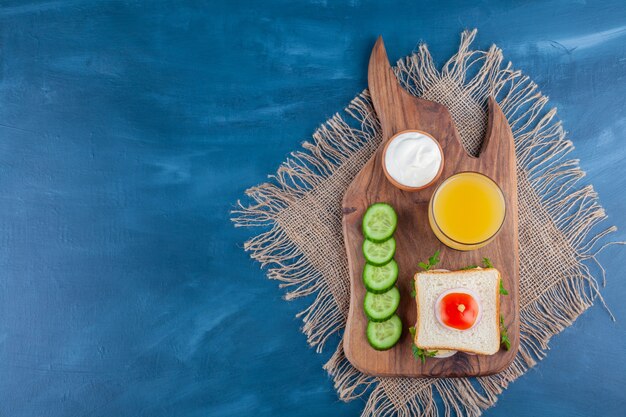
x=467 y=211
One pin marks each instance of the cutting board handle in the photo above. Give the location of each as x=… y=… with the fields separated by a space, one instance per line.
x=398 y=110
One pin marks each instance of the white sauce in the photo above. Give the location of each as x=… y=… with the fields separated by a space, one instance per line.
x=413 y=159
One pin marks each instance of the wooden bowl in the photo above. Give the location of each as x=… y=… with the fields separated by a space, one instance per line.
x=406 y=187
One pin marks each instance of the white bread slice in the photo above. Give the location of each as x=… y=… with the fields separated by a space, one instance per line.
x=430 y=334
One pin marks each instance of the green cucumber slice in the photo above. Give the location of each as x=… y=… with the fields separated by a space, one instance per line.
x=379 y=253
x=380 y=279
x=379 y=222
x=385 y=334
x=380 y=307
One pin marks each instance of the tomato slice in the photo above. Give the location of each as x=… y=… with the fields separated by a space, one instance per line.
x=458 y=310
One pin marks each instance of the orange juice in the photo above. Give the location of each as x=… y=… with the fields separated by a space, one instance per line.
x=466 y=211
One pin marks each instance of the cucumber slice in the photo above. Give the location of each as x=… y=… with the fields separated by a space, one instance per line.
x=383 y=335
x=380 y=279
x=379 y=222
x=380 y=307
x=379 y=253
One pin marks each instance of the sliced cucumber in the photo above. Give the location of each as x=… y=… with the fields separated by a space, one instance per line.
x=380 y=307
x=383 y=335
x=379 y=222
x=379 y=253
x=380 y=279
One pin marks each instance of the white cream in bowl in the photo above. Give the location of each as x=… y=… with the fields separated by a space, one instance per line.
x=413 y=159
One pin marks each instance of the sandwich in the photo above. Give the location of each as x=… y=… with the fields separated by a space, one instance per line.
x=458 y=311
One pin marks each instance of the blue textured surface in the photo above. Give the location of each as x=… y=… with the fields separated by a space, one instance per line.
x=129 y=128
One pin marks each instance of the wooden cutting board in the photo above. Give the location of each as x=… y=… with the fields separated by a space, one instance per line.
x=398 y=111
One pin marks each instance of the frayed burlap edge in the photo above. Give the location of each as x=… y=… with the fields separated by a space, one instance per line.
x=549 y=194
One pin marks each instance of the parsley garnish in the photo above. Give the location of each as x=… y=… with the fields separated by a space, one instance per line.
x=503 y=291
x=413 y=291
x=486 y=263
x=504 y=335
x=422 y=354
x=432 y=261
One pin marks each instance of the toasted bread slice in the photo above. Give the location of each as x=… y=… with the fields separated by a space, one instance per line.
x=484 y=337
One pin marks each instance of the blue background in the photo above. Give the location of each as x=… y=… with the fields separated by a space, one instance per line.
x=128 y=129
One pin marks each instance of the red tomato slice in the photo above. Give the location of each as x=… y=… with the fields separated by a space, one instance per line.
x=458 y=310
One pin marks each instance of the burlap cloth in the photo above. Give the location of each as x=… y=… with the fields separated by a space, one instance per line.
x=302 y=243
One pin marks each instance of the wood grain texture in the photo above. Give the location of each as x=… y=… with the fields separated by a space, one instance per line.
x=397 y=111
